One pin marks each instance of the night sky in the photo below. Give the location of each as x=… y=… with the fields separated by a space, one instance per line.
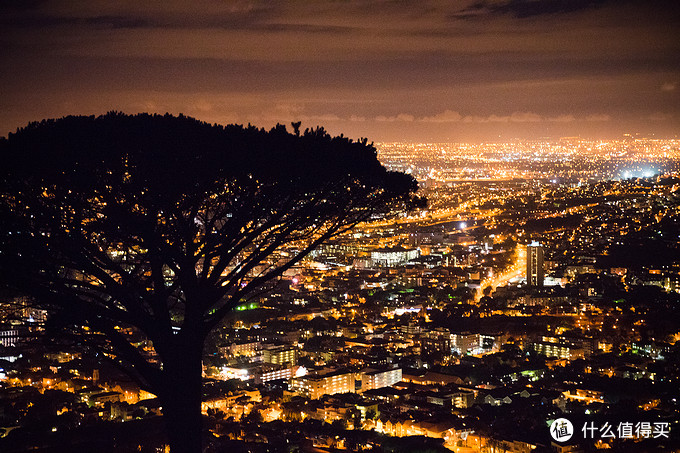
x=480 y=70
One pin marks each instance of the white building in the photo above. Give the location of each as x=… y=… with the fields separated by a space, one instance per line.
x=393 y=257
x=375 y=379
x=315 y=386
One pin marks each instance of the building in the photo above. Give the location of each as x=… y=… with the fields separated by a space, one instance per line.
x=247 y=349
x=315 y=386
x=436 y=341
x=393 y=257
x=271 y=373
x=558 y=350
x=9 y=336
x=535 y=271
x=462 y=343
x=280 y=355
x=463 y=399
x=261 y=372
x=375 y=379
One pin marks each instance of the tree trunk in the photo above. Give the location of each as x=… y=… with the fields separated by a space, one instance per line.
x=181 y=397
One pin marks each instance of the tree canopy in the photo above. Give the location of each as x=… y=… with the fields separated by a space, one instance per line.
x=154 y=227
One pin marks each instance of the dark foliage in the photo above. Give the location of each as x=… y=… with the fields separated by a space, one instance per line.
x=148 y=229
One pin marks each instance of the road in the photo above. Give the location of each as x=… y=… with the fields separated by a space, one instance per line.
x=517 y=269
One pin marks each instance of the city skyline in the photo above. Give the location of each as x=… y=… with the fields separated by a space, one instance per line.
x=434 y=71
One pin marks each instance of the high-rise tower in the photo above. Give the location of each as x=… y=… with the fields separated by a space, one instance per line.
x=535 y=272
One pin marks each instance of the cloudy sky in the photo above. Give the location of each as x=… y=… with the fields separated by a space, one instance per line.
x=389 y=70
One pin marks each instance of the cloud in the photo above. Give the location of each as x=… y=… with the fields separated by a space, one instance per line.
x=598 y=118
x=526 y=8
x=401 y=117
x=525 y=117
x=562 y=119
x=452 y=116
x=656 y=117
x=322 y=117
x=516 y=117
x=203 y=105
x=447 y=116
x=285 y=113
x=415 y=71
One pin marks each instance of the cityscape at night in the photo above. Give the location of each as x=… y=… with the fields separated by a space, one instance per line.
x=385 y=226
x=540 y=282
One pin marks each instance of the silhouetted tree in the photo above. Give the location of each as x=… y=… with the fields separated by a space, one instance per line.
x=147 y=230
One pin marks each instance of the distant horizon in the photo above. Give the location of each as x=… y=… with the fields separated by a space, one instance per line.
x=393 y=140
